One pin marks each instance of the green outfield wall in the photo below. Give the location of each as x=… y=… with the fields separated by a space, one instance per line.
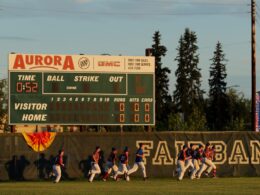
x=237 y=153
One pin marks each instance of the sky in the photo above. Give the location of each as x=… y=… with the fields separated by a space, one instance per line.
x=126 y=27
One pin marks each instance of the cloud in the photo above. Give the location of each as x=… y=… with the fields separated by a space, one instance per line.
x=77 y=8
x=209 y=1
x=46 y=8
x=83 y=1
x=173 y=7
x=16 y=38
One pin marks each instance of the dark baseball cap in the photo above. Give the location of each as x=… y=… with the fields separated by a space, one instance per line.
x=61 y=150
x=113 y=148
x=126 y=149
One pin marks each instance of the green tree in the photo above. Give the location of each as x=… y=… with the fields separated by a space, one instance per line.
x=188 y=94
x=240 y=111
x=3 y=104
x=196 y=122
x=176 y=122
x=217 y=113
x=163 y=99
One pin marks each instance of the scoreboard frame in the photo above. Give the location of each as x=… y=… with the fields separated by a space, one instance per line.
x=27 y=71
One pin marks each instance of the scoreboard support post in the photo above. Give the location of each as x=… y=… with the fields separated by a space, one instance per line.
x=149 y=52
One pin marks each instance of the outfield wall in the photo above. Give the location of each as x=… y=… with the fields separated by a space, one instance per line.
x=237 y=153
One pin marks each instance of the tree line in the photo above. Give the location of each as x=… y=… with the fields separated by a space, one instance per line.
x=189 y=108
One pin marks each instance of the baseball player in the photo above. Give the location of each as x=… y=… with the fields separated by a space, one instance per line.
x=58 y=163
x=196 y=159
x=139 y=162
x=207 y=161
x=95 y=169
x=188 y=161
x=123 y=163
x=181 y=162
x=210 y=158
x=111 y=164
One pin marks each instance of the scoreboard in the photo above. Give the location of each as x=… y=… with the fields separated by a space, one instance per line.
x=81 y=89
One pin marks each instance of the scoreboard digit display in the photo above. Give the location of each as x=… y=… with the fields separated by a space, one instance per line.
x=81 y=89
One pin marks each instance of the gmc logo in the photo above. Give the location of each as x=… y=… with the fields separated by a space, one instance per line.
x=109 y=63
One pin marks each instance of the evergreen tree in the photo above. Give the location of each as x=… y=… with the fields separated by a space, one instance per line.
x=3 y=103
x=218 y=116
x=196 y=121
x=188 y=94
x=239 y=110
x=163 y=99
x=2 y=98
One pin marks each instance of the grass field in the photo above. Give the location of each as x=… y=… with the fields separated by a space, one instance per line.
x=228 y=186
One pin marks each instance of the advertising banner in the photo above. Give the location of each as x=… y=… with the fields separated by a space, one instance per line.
x=236 y=153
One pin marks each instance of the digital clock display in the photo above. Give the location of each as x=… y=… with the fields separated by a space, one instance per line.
x=123 y=95
x=26 y=87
